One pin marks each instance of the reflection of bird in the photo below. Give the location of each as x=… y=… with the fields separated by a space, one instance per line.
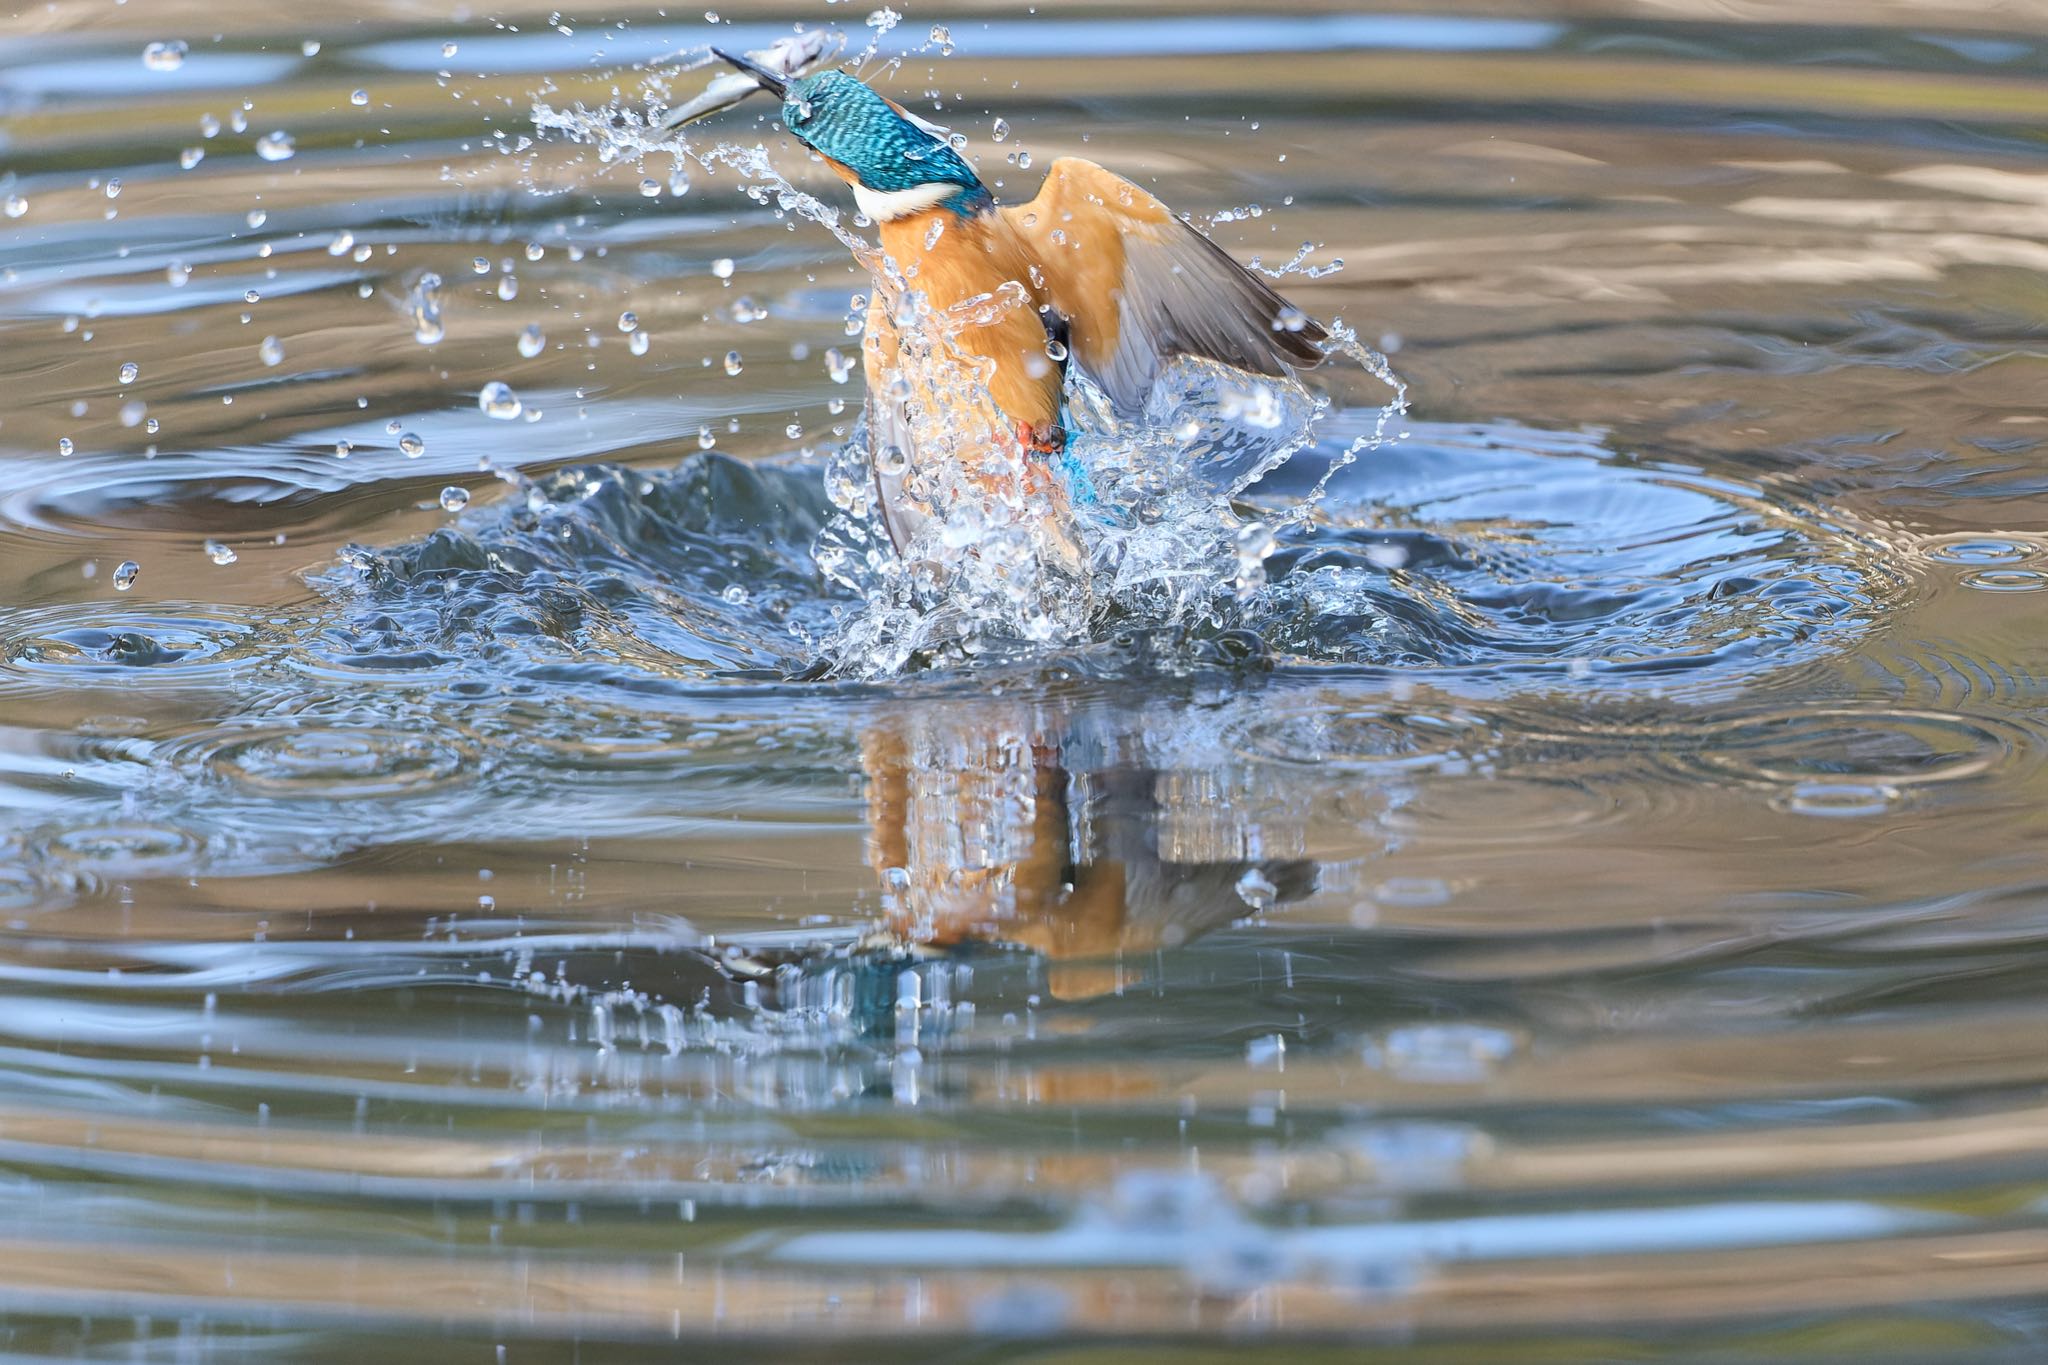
x=1094 y=269
x=980 y=830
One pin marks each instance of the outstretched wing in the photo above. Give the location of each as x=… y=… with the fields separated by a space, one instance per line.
x=1139 y=286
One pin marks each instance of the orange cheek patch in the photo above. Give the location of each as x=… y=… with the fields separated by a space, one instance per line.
x=840 y=169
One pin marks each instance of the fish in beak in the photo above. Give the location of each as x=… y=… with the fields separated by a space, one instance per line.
x=771 y=68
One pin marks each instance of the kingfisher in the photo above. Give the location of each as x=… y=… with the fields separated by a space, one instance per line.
x=1093 y=272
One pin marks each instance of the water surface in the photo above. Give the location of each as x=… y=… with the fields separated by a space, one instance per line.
x=1589 y=909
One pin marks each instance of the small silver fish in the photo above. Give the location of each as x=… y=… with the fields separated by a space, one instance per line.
x=790 y=57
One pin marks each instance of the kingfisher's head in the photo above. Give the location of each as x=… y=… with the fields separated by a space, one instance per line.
x=895 y=162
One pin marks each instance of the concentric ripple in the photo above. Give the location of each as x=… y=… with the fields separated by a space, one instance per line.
x=1861 y=751
x=81 y=641
x=316 y=763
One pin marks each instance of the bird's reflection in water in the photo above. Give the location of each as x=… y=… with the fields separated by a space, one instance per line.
x=1083 y=836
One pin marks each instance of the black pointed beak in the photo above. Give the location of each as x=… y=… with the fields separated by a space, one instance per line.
x=772 y=83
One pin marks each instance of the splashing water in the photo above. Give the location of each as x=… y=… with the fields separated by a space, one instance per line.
x=1141 y=523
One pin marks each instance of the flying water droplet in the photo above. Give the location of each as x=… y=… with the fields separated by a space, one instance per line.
x=449 y=49
x=165 y=56
x=130 y=372
x=343 y=243
x=508 y=287
x=628 y=321
x=454 y=499
x=16 y=206
x=1255 y=889
x=219 y=553
x=722 y=267
x=255 y=218
x=64 y=446
x=276 y=146
x=732 y=362
x=359 y=98
x=125 y=575
x=638 y=343
x=426 y=310
x=342 y=449
x=413 y=445
x=191 y=157
x=271 y=351
x=650 y=188
x=497 y=400
x=998 y=130
x=532 y=341
x=177 y=273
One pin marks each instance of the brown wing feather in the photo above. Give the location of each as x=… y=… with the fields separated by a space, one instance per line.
x=1140 y=286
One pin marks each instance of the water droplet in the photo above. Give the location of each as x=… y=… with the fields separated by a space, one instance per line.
x=342 y=449
x=177 y=273
x=209 y=126
x=125 y=574
x=508 y=287
x=1055 y=349
x=734 y=594
x=426 y=309
x=892 y=461
x=219 y=553
x=732 y=362
x=480 y=265
x=130 y=372
x=942 y=38
x=64 y=446
x=310 y=47
x=449 y=49
x=628 y=321
x=1023 y=161
x=165 y=56
x=532 y=340
x=359 y=98
x=638 y=343
x=132 y=413
x=114 y=187
x=794 y=431
x=16 y=206
x=276 y=146
x=650 y=188
x=191 y=157
x=722 y=267
x=272 y=351
x=998 y=130
x=343 y=243
x=497 y=400
x=412 y=445
x=255 y=218
x=454 y=499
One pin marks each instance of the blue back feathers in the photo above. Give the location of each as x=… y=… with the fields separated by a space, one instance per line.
x=836 y=116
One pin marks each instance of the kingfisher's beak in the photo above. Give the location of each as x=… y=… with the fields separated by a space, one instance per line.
x=770 y=81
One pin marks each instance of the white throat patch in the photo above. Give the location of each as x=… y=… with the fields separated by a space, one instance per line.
x=886 y=206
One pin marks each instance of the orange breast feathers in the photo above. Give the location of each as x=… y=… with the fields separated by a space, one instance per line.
x=969 y=259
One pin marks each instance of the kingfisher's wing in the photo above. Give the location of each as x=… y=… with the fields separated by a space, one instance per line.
x=1139 y=286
